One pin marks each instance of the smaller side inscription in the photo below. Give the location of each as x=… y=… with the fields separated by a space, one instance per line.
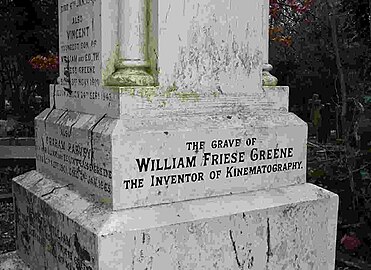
x=39 y=223
x=74 y=160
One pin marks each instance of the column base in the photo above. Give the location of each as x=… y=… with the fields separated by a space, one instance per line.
x=268 y=79
x=130 y=76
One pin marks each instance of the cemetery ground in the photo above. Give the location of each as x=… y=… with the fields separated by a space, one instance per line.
x=329 y=166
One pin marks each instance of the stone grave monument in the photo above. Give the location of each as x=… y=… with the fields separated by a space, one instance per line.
x=168 y=146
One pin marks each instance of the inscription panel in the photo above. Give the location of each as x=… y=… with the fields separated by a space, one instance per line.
x=174 y=163
x=134 y=162
x=85 y=51
x=80 y=42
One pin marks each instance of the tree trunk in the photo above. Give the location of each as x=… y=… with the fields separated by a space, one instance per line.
x=339 y=66
x=2 y=102
x=2 y=89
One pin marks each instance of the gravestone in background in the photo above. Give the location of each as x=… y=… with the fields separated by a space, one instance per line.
x=163 y=150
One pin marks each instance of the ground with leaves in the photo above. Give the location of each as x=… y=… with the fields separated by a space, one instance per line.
x=346 y=171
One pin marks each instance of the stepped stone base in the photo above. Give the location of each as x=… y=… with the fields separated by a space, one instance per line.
x=132 y=162
x=292 y=227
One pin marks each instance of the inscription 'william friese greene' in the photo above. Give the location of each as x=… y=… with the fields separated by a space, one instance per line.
x=212 y=159
x=237 y=161
x=149 y=164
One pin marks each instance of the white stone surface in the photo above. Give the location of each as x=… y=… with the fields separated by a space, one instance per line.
x=172 y=156
x=285 y=228
x=211 y=44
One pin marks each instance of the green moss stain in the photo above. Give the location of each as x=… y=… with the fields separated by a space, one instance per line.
x=215 y=94
x=173 y=91
x=149 y=93
x=106 y=200
x=49 y=248
x=162 y=104
x=127 y=90
x=110 y=64
x=188 y=96
x=170 y=90
x=151 y=39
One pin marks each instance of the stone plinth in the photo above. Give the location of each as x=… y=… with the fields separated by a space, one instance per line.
x=284 y=228
x=173 y=155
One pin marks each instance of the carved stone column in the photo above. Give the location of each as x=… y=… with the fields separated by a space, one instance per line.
x=132 y=68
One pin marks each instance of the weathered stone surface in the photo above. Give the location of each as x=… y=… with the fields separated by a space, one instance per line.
x=148 y=101
x=139 y=161
x=143 y=101
x=285 y=228
x=211 y=44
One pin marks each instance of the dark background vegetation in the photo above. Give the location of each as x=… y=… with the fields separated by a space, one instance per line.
x=27 y=28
